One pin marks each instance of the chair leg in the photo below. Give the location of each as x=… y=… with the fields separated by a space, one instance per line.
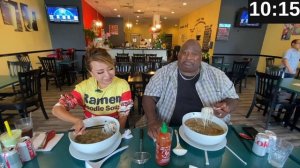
x=251 y=108
x=1 y=122
x=42 y=107
x=47 y=83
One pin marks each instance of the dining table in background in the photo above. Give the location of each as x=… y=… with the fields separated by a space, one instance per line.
x=7 y=80
x=293 y=86
x=60 y=157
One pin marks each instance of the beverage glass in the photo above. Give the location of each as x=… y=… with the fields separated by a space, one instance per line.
x=10 y=141
x=25 y=124
x=280 y=152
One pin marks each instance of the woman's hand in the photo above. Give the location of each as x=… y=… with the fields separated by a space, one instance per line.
x=153 y=128
x=221 y=109
x=79 y=127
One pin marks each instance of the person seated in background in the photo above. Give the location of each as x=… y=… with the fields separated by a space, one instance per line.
x=185 y=86
x=102 y=94
x=291 y=59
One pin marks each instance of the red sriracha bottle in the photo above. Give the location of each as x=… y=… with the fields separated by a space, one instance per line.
x=163 y=146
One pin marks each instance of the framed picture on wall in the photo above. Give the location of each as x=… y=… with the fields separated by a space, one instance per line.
x=113 y=29
x=16 y=16
x=26 y=17
x=223 y=31
x=6 y=12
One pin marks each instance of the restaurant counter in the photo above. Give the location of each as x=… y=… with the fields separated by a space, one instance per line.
x=160 y=52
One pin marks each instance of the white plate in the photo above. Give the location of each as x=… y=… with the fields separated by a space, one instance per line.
x=216 y=147
x=83 y=156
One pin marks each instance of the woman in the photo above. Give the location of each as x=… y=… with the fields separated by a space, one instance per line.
x=102 y=94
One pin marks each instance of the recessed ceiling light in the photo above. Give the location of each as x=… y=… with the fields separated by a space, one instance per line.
x=165 y=18
x=138 y=16
x=172 y=12
x=119 y=15
x=184 y=3
x=137 y=20
x=138 y=10
x=115 y=9
x=175 y=25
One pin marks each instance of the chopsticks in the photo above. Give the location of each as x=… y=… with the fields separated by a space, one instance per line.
x=245 y=163
x=87 y=128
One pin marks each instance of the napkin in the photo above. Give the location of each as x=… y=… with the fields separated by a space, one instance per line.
x=39 y=138
x=127 y=134
x=296 y=84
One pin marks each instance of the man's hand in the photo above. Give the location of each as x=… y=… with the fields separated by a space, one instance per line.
x=153 y=128
x=221 y=109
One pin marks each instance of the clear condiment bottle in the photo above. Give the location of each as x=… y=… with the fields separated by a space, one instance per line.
x=163 y=146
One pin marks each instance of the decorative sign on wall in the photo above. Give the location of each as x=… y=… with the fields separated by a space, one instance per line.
x=223 y=31
x=206 y=38
x=113 y=29
x=11 y=15
x=287 y=31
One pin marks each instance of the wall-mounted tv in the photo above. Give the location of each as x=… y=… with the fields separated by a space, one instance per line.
x=241 y=19
x=62 y=14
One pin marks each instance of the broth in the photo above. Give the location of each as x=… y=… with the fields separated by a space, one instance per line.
x=197 y=125
x=92 y=136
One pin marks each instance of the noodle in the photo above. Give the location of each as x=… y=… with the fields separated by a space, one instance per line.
x=207 y=115
x=197 y=125
x=92 y=136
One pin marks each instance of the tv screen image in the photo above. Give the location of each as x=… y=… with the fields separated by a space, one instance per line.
x=60 y=14
x=242 y=19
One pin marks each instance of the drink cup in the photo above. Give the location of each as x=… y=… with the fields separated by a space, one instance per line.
x=25 y=124
x=279 y=153
x=10 y=141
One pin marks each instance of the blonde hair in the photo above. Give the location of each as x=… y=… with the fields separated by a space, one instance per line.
x=99 y=55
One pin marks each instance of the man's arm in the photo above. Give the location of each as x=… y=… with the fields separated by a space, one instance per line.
x=287 y=65
x=149 y=106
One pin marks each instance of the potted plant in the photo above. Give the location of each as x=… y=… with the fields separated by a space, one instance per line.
x=89 y=36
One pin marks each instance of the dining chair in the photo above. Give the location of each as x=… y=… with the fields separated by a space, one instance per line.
x=247 y=70
x=276 y=71
x=155 y=63
x=24 y=57
x=217 y=61
x=123 y=54
x=122 y=59
x=270 y=62
x=52 y=71
x=237 y=74
x=150 y=55
x=84 y=70
x=123 y=67
x=28 y=97
x=15 y=67
x=265 y=86
x=139 y=91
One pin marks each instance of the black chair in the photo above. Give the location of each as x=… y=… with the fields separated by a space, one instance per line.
x=24 y=57
x=217 y=59
x=29 y=95
x=237 y=74
x=123 y=54
x=140 y=90
x=276 y=71
x=270 y=62
x=15 y=67
x=122 y=59
x=138 y=58
x=51 y=71
x=155 y=63
x=84 y=70
x=123 y=67
x=150 y=55
x=250 y=60
x=266 y=95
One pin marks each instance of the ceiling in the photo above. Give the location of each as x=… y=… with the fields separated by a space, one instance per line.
x=128 y=9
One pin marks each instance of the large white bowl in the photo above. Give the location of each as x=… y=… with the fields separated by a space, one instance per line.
x=201 y=138
x=98 y=146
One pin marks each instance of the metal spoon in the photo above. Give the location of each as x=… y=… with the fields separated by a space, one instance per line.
x=179 y=150
x=141 y=157
x=99 y=163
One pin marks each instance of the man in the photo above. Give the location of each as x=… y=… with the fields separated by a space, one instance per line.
x=184 y=86
x=291 y=59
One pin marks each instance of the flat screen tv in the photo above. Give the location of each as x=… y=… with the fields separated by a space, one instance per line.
x=62 y=14
x=241 y=19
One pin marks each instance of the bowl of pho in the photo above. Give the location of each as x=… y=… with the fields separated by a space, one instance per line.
x=97 y=139
x=203 y=127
